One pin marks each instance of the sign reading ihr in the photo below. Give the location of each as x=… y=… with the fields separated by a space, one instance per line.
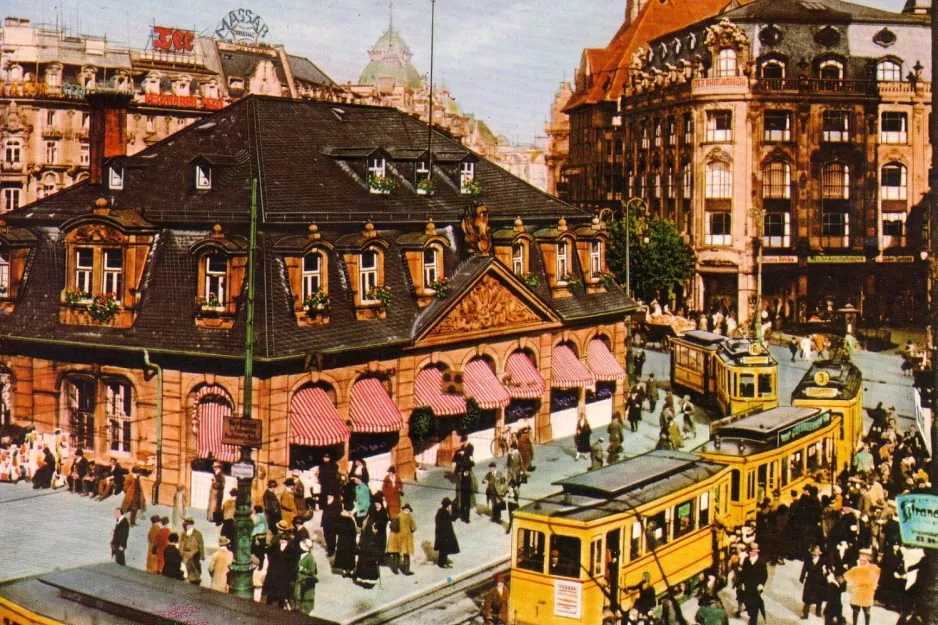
x=242 y=432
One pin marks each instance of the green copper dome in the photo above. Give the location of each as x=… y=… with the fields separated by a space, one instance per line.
x=390 y=58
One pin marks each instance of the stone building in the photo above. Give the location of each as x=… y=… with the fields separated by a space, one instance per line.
x=377 y=292
x=557 y=129
x=797 y=127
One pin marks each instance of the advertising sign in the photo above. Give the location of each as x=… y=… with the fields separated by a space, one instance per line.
x=836 y=259
x=241 y=26
x=172 y=39
x=779 y=260
x=568 y=598
x=242 y=470
x=918 y=520
x=242 y=432
x=804 y=428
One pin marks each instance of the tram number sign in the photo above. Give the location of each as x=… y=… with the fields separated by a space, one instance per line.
x=242 y=432
x=918 y=520
x=568 y=598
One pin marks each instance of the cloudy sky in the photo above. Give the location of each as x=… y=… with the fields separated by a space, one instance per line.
x=502 y=59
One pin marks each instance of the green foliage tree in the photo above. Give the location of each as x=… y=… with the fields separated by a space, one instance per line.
x=658 y=266
x=422 y=425
x=472 y=418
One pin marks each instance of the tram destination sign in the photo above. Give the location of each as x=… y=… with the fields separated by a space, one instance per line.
x=242 y=432
x=803 y=428
x=918 y=520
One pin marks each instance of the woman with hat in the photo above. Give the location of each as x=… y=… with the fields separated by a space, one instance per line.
x=304 y=591
x=401 y=541
x=445 y=542
x=218 y=565
x=151 y=544
x=371 y=547
x=345 y=548
x=814 y=579
x=282 y=559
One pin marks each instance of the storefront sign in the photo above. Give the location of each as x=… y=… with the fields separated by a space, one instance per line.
x=242 y=470
x=241 y=26
x=779 y=260
x=918 y=520
x=242 y=432
x=184 y=101
x=804 y=428
x=172 y=39
x=840 y=260
x=896 y=259
x=568 y=598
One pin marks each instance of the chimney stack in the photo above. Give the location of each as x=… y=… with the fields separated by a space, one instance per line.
x=107 y=132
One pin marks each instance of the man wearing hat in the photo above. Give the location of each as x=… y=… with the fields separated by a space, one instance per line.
x=754 y=576
x=401 y=541
x=119 y=536
x=328 y=479
x=465 y=488
x=814 y=578
x=272 y=506
x=495 y=490
x=216 y=494
x=861 y=582
x=282 y=559
x=192 y=549
x=596 y=455
x=151 y=543
x=218 y=565
x=287 y=501
x=495 y=604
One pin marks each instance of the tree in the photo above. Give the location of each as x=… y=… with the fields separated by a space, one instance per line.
x=659 y=266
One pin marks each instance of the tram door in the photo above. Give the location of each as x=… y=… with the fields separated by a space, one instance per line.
x=763 y=481
x=613 y=559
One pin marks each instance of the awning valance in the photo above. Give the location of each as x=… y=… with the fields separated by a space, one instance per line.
x=211 y=411
x=602 y=363
x=522 y=379
x=482 y=385
x=314 y=421
x=372 y=410
x=428 y=391
x=566 y=370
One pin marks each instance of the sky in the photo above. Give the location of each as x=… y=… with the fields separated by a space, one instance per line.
x=502 y=60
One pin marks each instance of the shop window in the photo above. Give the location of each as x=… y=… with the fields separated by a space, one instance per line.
x=683 y=519
x=777 y=126
x=894 y=229
x=718 y=229
x=765 y=385
x=564 y=556
x=635 y=541
x=888 y=70
x=893 y=127
x=777 y=230
x=119 y=411
x=367 y=275
x=704 y=514
x=530 y=550
x=312 y=274
x=835 y=126
x=84 y=267
x=216 y=279
x=719 y=126
x=747 y=385
x=112 y=271
x=726 y=63
x=894 y=182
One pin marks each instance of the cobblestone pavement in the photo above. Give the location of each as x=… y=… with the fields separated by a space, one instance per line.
x=41 y=531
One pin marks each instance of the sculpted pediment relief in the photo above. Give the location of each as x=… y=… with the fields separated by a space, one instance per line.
x=489 y=305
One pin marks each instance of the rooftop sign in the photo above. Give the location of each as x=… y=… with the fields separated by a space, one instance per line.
x=241 y=26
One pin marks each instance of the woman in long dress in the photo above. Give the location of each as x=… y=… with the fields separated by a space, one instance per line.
x=582 y=438
x=371 y=548
x=304 y=594
x=346 y=544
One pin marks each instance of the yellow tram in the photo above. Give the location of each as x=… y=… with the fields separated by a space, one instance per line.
x=837 y=386
x=574 y=550
x=783 y=448
x=740 y=374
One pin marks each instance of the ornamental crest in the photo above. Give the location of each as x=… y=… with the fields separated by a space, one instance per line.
x=489 y=305
x=726 y=34
x=98 y=233
x=475 y=226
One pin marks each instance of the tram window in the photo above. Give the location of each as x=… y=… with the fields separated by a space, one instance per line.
x=564 y=556
x=597 y=555
x=531 y=550
x=734 y=486
x=750 y=485
x=747 y=385
x=635 y=542
x=765 y=384
x=796 y=465
x=786 y=461
x=683 y=519
x=656 y=531
x=763 y=482
x=705 y=509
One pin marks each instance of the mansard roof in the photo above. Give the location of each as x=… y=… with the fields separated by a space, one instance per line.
x=816 y=12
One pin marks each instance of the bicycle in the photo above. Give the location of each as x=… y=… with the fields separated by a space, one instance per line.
x=501 y=443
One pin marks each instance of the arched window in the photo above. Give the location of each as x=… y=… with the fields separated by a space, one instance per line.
x=79 y=408
x=48 y=186
x=831 y=69
x=726 y=63
x=119 y=412
x=13 y=152
x=313 y=282
x=776 y=181
x=835 y=181
x=519 y=258
x=719 y=184
x=894 y=182
x=773 y=69
x=888 y=70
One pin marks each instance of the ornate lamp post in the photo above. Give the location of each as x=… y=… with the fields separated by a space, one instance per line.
x=758 y=217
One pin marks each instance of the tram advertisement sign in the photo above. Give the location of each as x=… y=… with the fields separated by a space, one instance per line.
x=804 y=428
x=918 y=520
x=568 y=598
x=242 y=432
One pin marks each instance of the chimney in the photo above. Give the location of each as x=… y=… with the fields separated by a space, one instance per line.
x=107 y=132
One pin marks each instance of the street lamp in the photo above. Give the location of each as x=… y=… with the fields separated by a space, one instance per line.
x=758 y=216
x=635 y=203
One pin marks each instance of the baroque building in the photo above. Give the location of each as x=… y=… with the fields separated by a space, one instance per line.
x=389 y=277
x=798 y=128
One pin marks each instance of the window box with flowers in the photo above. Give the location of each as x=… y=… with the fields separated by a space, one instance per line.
x=211 y=305
x=76 y=298
x=316 y=305
x=472 y=188
x=382 y=295
x=531 y=280
x=606 y=279
x=440 y=288
x=426 y=186
x=570 y=281
x=103 y=307
x=381 y=185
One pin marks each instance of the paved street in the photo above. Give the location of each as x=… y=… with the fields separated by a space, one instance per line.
x=49 y=530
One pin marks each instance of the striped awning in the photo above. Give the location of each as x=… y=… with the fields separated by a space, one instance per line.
x=211 y=411
x=602 y=363
x=372 y=410
x=522 y=379
x=314 y=421
x=428 y=391
x=484 y=387
x=566 y=370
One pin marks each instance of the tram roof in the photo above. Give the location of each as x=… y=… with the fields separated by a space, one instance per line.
x=121 y=595
x=702 y=338
x=623 y=486
x=764 y=430
x=844 y=377
x=745 y=352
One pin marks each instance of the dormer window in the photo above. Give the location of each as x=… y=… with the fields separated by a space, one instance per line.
x=377 y=167
x=84 y=266
x=423 y=171
x=115 y=177
x=367 y=275
x=216 y=274
x=113 y=270
x=430 y=266
x=596 y=259
x=563 y=262
x=312 y=274
x=467 y=173
x=517 y=259
x=203 y=177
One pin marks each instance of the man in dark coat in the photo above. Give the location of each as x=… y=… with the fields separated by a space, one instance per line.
x=639 y=363
x=283 y=560
x=172 y=559
x=651 y=387
x=445 y=542
x=330 y=516
x=119 y=536
x=463 y=463
x=78 y=472
x=328 y=479
x=42 y=478
x=753 y=577
x=814 y=578
x=272 y=507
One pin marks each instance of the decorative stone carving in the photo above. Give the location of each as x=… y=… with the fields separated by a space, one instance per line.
x=98 y=233
x=726 y=34
x=475 y=227
x=718 y=154
x=489 y=305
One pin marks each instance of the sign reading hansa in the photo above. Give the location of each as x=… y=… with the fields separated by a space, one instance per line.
x=242 y=432
x=918 y=520
x=241 y=26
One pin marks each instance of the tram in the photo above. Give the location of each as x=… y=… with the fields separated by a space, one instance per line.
x=836 y=385
x=575 y=551
x=784 y=448
x=739 y=374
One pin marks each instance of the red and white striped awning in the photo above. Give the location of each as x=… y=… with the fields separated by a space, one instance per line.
x=428 y=391
x=602 y=363
x=482 y=385
x=211 y=410
x=314 y=421
x=522 y=379
x=372 y=410
x=566 y=370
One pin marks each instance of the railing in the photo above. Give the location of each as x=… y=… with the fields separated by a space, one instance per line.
x=816 y=85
